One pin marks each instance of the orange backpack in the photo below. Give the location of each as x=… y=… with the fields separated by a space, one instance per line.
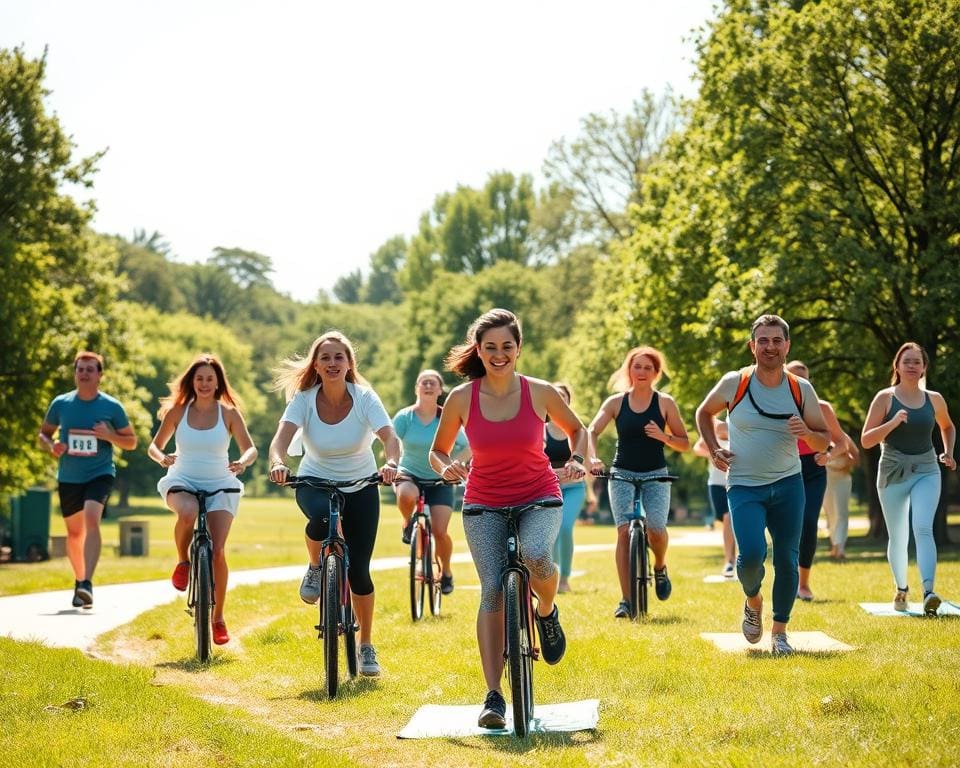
x=747 y=373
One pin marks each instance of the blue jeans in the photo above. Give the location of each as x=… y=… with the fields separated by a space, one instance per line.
x=573 y=496
x=777 y=507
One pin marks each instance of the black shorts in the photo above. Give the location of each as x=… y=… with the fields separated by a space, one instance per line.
x=74 y=495
x=435 y=495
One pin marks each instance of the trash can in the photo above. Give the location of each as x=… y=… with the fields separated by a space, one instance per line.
x=134 y=538
x=30 y=525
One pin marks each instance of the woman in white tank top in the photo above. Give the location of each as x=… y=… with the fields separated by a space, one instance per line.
x=204 y=413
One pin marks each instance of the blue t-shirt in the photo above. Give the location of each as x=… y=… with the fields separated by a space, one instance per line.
x=416 y=438
x=86 y=456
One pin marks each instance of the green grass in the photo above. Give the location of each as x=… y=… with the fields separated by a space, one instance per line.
x=667 y=697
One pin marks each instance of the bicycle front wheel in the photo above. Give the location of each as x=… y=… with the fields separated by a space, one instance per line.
x=417 y=574
x=519 y=659
x=638 y=571
x=432 y=572
x=329 y=615
x=203 y=601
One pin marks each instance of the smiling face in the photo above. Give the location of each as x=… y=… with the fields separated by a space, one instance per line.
x=643 y=371
x=87 y=373
x=498 y=351
x=428 y=386
x=910 y=365
x=770 y=347
x=205 y=382
x=332 y=362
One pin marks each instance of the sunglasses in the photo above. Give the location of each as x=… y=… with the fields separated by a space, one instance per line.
x=781 y=416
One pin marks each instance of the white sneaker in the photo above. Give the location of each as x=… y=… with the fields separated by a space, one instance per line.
x=728 y=571
x=368 y=661
x=310 y=586
x=779 y=645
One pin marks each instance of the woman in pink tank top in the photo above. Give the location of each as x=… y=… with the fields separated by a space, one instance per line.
x=503 y=414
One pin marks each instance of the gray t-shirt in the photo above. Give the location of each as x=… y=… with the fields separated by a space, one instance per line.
x=764 y=450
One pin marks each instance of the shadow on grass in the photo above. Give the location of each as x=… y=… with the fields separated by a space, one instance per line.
x=347 y=689
x=507 y=742
x=663 y=621
x=193 y=664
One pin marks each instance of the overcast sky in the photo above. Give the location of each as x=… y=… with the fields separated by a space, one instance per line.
x=312 y=132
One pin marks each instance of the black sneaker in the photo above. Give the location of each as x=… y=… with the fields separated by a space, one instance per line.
x=661 y=583
x=85 y=592
x=494 y=714
x=553 y=644
x=407 y=531
x=77 y=600
x=623 y=610
x=446 y=584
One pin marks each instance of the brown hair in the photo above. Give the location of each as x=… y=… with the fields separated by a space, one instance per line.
x=463 y=359
x=296 y=374
x=85 y=354
x=895 y=378
x=182 y=391
x=564 y=388
x=620 y=380
x=765 y=320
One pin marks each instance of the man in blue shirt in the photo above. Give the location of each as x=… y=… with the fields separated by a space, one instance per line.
x=89 y=424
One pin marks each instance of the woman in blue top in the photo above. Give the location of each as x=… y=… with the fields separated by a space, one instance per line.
x=416 y=426
x=902 y=419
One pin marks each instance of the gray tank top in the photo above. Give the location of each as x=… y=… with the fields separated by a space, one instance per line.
x=915 y=435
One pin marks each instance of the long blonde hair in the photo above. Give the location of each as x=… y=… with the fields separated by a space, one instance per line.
x=297 y=374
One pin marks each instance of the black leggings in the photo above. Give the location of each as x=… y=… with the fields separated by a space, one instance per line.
x=814 y=486
x=359 y=518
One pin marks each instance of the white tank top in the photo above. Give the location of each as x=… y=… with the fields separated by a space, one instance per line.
x=202 y=453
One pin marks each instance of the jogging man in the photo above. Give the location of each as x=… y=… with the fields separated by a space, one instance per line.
x=89 y=423
x=768 y=411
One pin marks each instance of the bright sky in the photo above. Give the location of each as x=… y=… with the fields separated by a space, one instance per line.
x=312 y=132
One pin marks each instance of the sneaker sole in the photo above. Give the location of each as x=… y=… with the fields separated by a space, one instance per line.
x=85 y=597
x=310 y=602
x=492 y=720
x=369 y=673
x=931 y=610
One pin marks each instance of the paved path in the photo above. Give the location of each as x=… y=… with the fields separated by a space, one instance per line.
x=49 y=618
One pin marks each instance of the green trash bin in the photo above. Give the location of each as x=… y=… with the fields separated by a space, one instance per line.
x=30 y=525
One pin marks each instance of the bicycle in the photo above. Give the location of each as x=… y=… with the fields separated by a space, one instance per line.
x=200 y=588
x=641 y=564
x=520 y=647
x=336 y=607
x=425 y=571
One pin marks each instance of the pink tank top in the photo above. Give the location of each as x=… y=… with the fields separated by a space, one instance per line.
x=508 y=466
x=804 y=449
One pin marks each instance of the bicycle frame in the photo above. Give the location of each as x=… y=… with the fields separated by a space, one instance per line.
x=425 y=571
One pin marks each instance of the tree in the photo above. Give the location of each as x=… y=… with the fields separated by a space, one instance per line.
x=245 y=268
x=381 y=286
x=603 y=166
x=348 y=287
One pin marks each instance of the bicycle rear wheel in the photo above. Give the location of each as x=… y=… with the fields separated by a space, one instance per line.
x=519 y=659
x=350 y=637
x=329 y=615
x=417 y=574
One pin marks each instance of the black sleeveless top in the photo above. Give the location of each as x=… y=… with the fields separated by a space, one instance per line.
x=557 y=450
x=636 y=451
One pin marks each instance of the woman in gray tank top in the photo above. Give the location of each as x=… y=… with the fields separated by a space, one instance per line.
x=902 y=419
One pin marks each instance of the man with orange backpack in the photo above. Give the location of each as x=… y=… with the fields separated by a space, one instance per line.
x=768 y=410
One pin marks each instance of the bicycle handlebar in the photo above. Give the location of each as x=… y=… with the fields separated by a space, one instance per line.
x=636 y=480
x=204 y=494
x=293 y=481
x=425 y=482
x=477 y=509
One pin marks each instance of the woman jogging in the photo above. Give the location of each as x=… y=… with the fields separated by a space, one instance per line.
x=646 y=420
x=339 y=416
x=503 y=414
x=902 y=419
x=204 y=413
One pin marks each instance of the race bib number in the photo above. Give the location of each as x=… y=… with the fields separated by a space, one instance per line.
x=81 y=442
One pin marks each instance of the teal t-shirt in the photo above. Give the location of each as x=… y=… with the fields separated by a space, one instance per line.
x=86 y=456
x=416 y=439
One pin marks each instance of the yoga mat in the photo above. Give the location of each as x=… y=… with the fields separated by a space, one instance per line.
x=437 y=721
x=802 y=642
x=717 y=578
x=913 y=609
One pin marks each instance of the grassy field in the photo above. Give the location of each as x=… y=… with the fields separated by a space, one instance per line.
x=667 y=697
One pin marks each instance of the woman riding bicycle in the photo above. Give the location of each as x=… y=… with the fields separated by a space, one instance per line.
x=646 y=420
x=203 y=411
x=416 y=426
x=503 y=415
x=339 y=416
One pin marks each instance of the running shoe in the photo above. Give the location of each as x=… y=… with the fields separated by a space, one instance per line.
x=446 y=584
x=77 y=600
x=752 y=624
x=931 y=602
x=407 y=531
x=779 y=645
x=85 y=593
x=729 y=571
x=310 y=586
x=900 y=601
x=494 y=713
x=553 y=643
x=622 y=611
x=181 y=576
x=661 y=583
x=368 y=661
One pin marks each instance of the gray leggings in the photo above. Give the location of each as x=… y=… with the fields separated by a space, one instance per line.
x=487 y=537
